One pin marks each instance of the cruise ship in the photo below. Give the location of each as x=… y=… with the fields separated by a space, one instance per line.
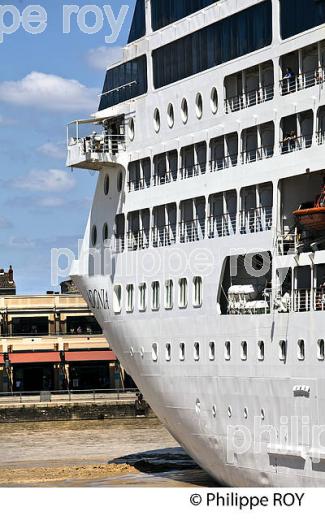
x=204 y=254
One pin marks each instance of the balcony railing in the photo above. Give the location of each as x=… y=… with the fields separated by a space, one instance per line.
x=302 y=300
x=192 y=231
x=164 y=178
x=320 y=137
x=193 y=170
x=293 y=143
x=249 y=99
x=302 y=81
x=287 y=244
x=222 y=225
x=164 y=235
x=255 y=220
x=137 y=184
x=138 y=240
x=223 y=163
x=118 y=244
x=257 y=154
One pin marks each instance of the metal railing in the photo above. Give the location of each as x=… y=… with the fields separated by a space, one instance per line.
x=320 y=137
x=68 y=396
x=222 y=225
x=319 y=299
x=192 y=231
x=249 y=99
x=118 y=244
x=223 y=163
x=255 y=220
x=302 y=81
x=138 y=239
x=193 y=170
x=167 y=177
x=302 y=300
x=137 y=184
x=164 y=235
x=293 y=143
x=287 y=244
x=257 y=154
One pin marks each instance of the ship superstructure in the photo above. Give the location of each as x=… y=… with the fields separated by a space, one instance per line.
x=209 y=137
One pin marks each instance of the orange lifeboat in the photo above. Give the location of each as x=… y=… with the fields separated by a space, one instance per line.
x=311 y=216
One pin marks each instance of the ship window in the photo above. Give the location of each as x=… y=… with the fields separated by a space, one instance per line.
x=234 y=36
x=94 y=236
x=199 y=106
x=138 y=27
x=131 y=128
x=105 y=232
x=300 y=15
x=182 y=351
x=214 y=411
x=156 y=120
x=196 y=351
x=155 y=304
x=227 y=350
x=170 y=115
x=117 y=299
x=321 y=350
x=261 y=351
x=212 y=350
x=214 y=100
x=106 y=184
x=169 y=294
x=123 y=82
x=182 y=302
x=184 y=111
x=155 y=352
x=130 y=298
x=120 y=182
x=245 y=413
x=301 y=350
x=166 y=12
x=283 y=350
x=197 y=291
x=244 y=350
x=168 y=351
x=142 y=297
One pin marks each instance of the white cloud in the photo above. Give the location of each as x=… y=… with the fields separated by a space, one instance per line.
x=53 y=150
x=46 y=181
x=5 y=223
x=103 y=57
x=49 y=92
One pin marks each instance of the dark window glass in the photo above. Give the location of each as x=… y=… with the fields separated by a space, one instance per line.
x=138 y=27
x=124 y=82
x=165 y=12
x=218 y=43
x=300 y=15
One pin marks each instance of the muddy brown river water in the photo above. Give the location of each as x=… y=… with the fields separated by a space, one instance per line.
x=136 y=452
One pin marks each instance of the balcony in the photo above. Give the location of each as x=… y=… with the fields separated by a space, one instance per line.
x=138 y=240
x=222 y=225
x=294 y=83
x=255 y=220
x=249 y=99
x=292 y=143
x=192 y=230
x=92 y=144
x=164 y=235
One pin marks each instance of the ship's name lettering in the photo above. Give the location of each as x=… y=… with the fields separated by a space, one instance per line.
x=98 y=299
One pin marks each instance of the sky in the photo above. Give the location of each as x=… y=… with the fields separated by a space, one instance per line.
x=47 y=80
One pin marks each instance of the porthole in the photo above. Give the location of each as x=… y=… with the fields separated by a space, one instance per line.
x=229 y=411
x=245 y=413
x=214 y=411
x=156 y=120
x=155 y=352
x=212 y=350
x=227 y=350
x=282 y=350
x=105 y=232
x=142 y=352
x=196 y=351
x=261 y=351
x=198 y=406
x=182 y=351
x=321 y=350
x=301 y=350
x=184 y=111
x=199 y=105
x=120 y=182
x=170 y=115
x=168 y=351
x=94 y=236
x=214 y=100
x=106 y=184
x=244 y=350
x=131 y=129
x=262 y=414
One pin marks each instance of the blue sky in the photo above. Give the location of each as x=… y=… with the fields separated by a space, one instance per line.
x=47 y=80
